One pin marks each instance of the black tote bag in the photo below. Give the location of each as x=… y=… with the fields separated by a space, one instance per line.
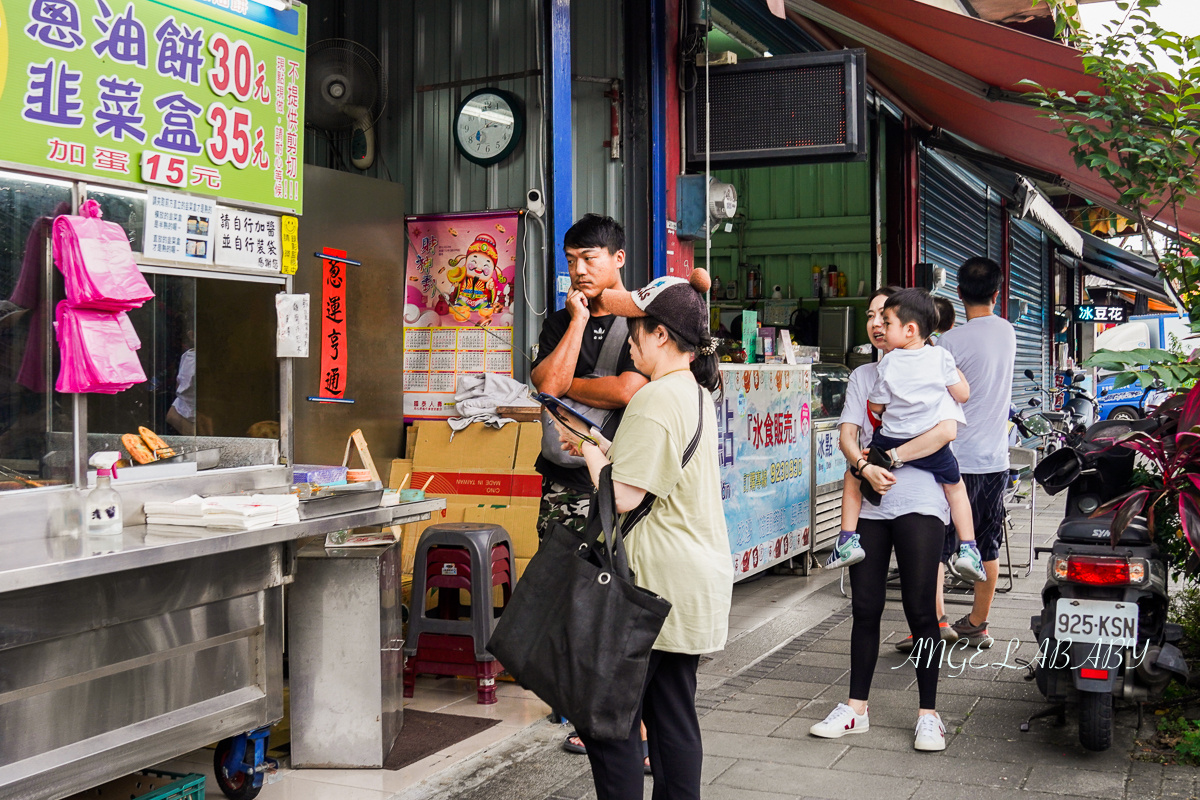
x=577 y=631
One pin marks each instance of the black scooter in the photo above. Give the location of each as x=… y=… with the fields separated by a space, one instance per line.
x=1103 y=627
x=1059 y=421
x=1081 y=408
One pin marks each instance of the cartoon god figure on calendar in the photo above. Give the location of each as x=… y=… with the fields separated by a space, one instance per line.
x=460 y=271
x=478 y=281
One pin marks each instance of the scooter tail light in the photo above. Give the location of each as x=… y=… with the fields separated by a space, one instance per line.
x=1094 y=674
x=1058 y=568
x=1099 y=570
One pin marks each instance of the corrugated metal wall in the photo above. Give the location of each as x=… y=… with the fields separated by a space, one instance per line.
x=960 y=219
x=434 y=55
x=797 y=217
x=1028 y=258
x=426 y=47
x=599 y=184
x=458 y=47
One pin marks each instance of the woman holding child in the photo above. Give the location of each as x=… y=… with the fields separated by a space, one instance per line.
x=910 y=515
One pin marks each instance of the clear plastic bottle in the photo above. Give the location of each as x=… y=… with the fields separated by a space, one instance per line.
x=103 y=508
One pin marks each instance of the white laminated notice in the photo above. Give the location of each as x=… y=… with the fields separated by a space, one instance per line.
x=243 y=239
x=291 y=337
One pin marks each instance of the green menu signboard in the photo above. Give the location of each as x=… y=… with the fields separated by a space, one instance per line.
x=202 y=96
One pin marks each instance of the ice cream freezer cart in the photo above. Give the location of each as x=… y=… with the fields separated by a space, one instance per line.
x=764 y=427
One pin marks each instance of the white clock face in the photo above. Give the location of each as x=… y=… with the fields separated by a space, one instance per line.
x=486 y=126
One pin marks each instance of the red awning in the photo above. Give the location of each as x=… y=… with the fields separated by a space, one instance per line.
x=943 y=65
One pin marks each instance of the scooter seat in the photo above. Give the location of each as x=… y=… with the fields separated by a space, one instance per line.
x=1097 y=530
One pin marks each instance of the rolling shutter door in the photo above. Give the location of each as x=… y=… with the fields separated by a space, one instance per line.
x=1028 y=281
x=955 y=220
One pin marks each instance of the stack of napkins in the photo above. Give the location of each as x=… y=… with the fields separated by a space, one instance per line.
x=228 y=513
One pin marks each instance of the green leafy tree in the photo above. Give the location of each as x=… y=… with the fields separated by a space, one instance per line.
x=1139 y=133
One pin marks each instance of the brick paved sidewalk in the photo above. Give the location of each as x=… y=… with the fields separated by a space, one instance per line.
x=755 y=718
x=756 y=724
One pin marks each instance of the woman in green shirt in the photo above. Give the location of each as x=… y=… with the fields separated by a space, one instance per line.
x=665 y=452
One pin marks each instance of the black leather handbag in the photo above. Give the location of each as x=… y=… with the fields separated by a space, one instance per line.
x=577 y=631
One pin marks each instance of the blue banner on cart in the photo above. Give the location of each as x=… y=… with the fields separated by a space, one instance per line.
x=828 y=460
x=764 y=425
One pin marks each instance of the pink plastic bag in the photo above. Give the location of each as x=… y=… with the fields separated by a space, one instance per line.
x=97 y=349
x=97 y=263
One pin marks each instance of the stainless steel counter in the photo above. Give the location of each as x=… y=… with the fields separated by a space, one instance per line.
x=119 y=652
x=43 y=560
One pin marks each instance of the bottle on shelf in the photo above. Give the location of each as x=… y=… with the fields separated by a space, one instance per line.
x=753 y=286
x=103 y=506
x=841 y=284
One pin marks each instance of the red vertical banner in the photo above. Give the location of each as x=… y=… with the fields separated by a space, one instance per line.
x=334 y=343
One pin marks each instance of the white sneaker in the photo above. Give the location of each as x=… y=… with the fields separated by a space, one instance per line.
x=841 y=720
x=930 y=733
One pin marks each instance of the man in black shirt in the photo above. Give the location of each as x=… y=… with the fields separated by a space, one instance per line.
x=568 y=350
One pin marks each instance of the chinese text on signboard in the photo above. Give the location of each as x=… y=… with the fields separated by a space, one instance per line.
x=1091 y=312
x=200 y=96
x=334 y=355
x=763 y=446
x=247 y=240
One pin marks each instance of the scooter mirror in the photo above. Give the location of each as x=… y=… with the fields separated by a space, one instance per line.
x=1035 y=401
x=1029 y=374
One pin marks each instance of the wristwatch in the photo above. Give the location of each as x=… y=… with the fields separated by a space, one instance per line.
x=896 y=462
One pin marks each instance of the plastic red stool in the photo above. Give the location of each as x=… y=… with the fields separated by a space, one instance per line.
x=452 y=557
x=444 y=654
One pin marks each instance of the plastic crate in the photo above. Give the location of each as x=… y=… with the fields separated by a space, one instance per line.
x=150 y=784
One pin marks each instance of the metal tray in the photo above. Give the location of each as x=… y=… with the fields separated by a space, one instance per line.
x=205 y=458
x=324 y=505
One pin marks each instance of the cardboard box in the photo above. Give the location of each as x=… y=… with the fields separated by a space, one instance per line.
x=529 y=447
x=399 y=468
x=521 y=564
x=485 y=463
x=485 y=475
x=410 y=440
x=518 y=518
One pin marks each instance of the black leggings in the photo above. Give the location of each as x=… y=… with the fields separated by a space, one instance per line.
x=917 y=539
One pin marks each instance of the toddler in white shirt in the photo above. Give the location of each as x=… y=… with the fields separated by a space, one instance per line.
x=909 y=391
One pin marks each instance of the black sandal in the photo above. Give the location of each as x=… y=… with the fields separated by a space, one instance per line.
x=646 y=757
x=571 y=747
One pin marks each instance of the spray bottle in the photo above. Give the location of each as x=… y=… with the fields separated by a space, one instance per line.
x=103 y=506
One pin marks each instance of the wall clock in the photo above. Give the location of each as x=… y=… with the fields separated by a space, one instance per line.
x=488 y=126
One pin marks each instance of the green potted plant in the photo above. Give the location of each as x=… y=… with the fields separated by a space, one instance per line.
x=1168 y=490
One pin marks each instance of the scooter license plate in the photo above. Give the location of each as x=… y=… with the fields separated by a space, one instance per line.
x=1103 y=621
